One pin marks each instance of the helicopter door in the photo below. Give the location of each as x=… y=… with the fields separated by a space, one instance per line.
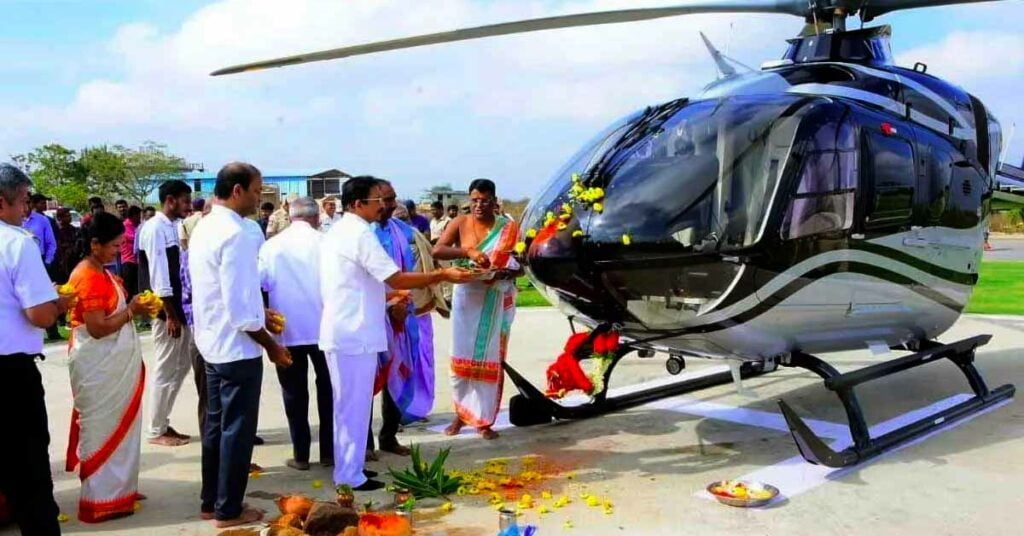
x=819 y=214
x=888 y=183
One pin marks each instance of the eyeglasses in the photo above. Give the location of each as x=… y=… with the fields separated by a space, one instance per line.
x=480 y=201
x=369 y=200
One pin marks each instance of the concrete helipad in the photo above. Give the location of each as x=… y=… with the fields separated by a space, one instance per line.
x=654 y=461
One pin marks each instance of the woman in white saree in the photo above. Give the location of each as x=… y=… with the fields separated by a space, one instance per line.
x=107 y=377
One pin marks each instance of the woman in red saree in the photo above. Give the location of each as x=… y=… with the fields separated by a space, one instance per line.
x=105 y=363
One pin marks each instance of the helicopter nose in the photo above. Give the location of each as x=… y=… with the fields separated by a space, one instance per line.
x=557 y=264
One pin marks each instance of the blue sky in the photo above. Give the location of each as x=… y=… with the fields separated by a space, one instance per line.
x=513 y=108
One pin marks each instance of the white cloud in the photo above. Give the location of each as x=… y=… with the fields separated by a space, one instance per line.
x=510 y=107
x=990 y=66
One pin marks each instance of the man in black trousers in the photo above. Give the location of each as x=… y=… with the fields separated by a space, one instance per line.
x=290 y=275
x=28 y=303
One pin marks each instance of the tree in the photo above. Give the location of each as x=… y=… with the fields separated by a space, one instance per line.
x=110 y=172
x=57 y=172
x=131 y=173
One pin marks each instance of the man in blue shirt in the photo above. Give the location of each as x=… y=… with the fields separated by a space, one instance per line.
x=41 y=227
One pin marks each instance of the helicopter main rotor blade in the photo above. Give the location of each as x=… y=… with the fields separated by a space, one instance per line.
x=875 y=8
x=789 y=7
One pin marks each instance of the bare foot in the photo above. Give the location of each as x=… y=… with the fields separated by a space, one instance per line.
x=248 y=516
x=487 y=433
x=168 y=440
x=454 y=428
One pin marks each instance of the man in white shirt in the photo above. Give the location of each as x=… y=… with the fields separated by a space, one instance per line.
x=229 y=319
x=438 y=222
x=330 y=215
x=28 y=303
x=160 y=272
x=290 y=275
x=355 y=272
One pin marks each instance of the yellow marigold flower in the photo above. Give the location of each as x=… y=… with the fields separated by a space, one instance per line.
x=63 y=518
x=562 y=501
x=566 y=208
x=532 y=233
x=562 y=226
x=626 y=240
x=545 y=495
x=543 y=510
x=575 y=177
x=137 y=506
x=498 y=505
x=565 y=217
x=598 y=193
x=447 y=507
x=607 y=511
x=598 y=207
x=593 y=502
x=520 y=248
x=608 y=504
x=317 y=484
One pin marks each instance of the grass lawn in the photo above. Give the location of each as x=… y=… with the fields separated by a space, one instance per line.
x=528 y=295
x=1000 y=289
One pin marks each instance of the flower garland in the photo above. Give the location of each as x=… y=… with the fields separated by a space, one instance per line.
x=580 y=195
x=606 y=346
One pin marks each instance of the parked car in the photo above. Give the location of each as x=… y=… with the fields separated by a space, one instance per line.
x=76 y=218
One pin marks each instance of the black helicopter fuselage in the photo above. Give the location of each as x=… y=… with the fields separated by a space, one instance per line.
x=828 y=202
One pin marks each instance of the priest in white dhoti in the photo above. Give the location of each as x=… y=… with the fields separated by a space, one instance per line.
x=482 y=312
x=355 y=273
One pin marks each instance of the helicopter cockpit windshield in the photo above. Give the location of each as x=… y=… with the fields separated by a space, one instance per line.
x=700 y=180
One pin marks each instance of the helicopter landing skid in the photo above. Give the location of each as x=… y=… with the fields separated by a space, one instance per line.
x=532 y=407
x=961 y=353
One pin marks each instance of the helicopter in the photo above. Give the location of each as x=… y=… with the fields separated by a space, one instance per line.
x=829 y=201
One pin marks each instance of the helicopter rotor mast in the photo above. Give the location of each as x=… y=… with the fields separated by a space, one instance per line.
x=838 y=10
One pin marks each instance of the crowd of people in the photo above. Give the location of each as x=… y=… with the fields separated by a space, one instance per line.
x=226 y=281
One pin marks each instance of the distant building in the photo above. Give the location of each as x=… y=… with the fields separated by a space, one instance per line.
x=445 y=194
x=316 y=185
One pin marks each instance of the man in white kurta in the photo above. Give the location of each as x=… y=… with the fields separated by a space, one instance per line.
x=290 y=275
x=355 y=272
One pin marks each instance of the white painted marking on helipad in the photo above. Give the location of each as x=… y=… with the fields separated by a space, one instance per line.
x=795 y=475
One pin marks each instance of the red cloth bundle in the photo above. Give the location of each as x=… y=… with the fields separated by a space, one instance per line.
x=565 y=374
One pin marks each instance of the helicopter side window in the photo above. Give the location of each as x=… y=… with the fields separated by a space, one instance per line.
x=825 y=190
x=934 y=188
x=889 y=169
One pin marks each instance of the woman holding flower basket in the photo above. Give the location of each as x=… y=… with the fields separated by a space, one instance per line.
x=105 y=363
